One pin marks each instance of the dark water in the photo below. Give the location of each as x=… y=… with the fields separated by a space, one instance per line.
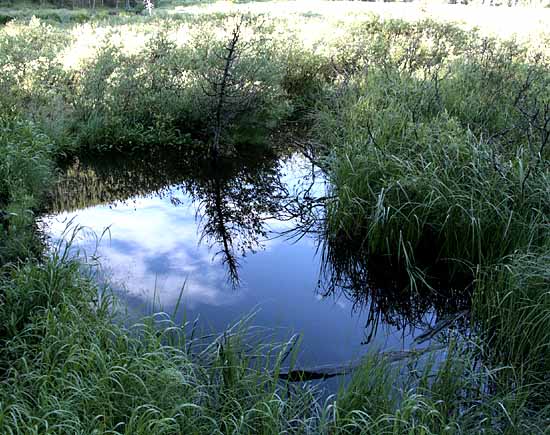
x=237 y=236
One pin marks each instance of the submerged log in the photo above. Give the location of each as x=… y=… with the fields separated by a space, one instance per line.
x=440 y=326
x=330 y=371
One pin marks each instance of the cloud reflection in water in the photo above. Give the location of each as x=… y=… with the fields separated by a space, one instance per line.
x=153 y=249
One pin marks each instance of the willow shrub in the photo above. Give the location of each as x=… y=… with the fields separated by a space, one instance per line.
x=33 y=79
x=167 y=93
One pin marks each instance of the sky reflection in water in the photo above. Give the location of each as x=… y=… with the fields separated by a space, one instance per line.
x=154 y=248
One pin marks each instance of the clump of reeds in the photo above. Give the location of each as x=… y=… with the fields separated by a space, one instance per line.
x=440 y=163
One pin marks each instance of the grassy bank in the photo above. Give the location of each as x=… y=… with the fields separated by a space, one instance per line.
x=437 y=151
x=26 y=173
x=68 y=366
x=435 y=141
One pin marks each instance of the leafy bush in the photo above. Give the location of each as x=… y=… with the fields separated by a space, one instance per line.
x=33 y=82
x=133 y=100
x=164 y=90
x=238 y=76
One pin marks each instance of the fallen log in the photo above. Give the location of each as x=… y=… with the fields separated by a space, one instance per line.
x=330 y=371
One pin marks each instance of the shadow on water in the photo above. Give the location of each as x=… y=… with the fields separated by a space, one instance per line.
x=243 y=203
x=392 y=294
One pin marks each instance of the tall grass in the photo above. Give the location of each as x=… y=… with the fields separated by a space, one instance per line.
x=26 y=172
x=69 y=366
x=437 y=151
x=512 y=306
x=434 y=163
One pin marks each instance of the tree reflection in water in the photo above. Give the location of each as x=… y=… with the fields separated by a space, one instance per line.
x=236 y=200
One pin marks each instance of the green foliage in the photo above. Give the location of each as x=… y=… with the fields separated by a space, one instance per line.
x=69 y=366
x=435 y=151
x=421 y=163
x=452 y=395
x=126 y=85
x=437 y=147
x=512 y=306
x=6 y=18
x=161 y=94
x=239 y=79
x=26 y=168
x=49 y=15
x=33 y=83
x=132 y=100
x=25 y=162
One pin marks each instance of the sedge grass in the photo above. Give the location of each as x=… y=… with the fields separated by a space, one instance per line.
x=68 y=366
x=420 y=161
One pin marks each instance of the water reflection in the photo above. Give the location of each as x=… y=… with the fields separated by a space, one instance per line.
x=179 y=222
x=234 y=198
x=235 y=201
x=388 y=293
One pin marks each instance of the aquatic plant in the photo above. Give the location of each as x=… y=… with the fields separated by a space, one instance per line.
x=414 y=177
x=437 y=152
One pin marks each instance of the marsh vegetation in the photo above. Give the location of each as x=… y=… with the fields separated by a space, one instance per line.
x=432 y=141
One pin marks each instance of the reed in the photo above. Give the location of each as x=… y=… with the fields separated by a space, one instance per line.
x=436 y=147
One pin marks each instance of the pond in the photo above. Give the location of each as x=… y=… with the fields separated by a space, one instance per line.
x=231 y=238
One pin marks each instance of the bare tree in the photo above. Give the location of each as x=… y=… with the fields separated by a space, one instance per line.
x=222 y=86
x=233 y=81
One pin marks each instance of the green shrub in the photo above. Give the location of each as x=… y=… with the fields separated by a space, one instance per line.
x=34 y=82
x=26 y=171
x=427 y=163
x=163 y=91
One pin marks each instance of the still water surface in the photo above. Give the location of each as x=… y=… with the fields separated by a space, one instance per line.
x=222 y=235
